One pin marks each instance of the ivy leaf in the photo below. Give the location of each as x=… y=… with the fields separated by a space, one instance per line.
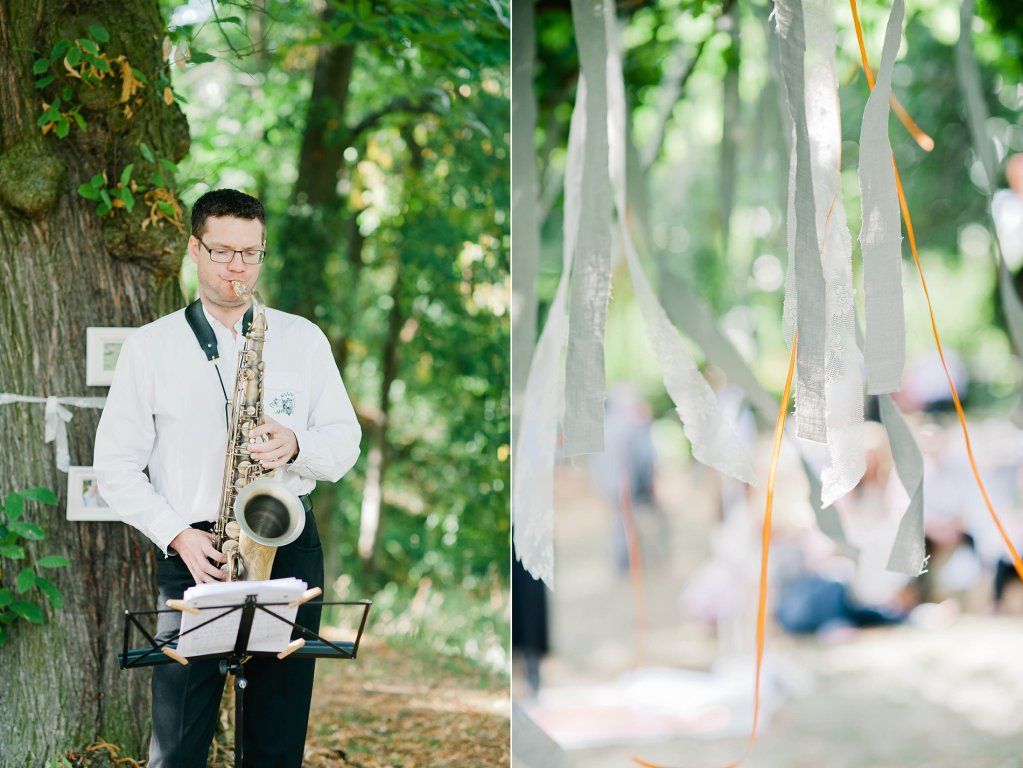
x=200 y=57
x=49 y=589
x=15 y=505
x=28 y=610
x=101 y=64
x=80 y=120
x=157 y=180
x=103 y=209
x=42 y=495
x=42 y=82
x=29 y=531
x=40 y=66
x=59 y=49
x=106 y=198
x=26 y=580
x=13 y=551
x=53 y=561
x=128 y=198
x=88 y=192
x=63 y=127
x=126 y=173
x=6 y=597
x=168 y=165
x=68 y=93
x=100 y=34
x=74 y=56
x=3 y=637
x=89 y=45
x=230 y=20
x=146 y=152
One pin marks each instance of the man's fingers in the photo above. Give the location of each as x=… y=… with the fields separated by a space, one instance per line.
x=212 y=553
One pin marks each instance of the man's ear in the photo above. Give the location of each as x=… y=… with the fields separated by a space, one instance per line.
x=193 y=249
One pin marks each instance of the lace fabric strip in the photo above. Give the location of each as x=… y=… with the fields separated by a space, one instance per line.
x=843 y=378
x=881 y=230
x=808 y=303
x=591 y=272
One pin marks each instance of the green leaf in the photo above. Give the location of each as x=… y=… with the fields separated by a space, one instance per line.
x=99 y=33
x=14 y=504
x=6 y=597
x=40 y=66
x=230 y=20
x=3 y=637
x=89 y=45
x=55 y=106
x=139 y=76
x=13 y=551
x=106 y=198
x=26 y=580
x=42 y=495
x=80 y=120
x=200 y=57
x=97 y=181
x=4 y=531
x=29 y=531
x=42 y=82
x=126 y=173
x=165 y=208
x=74 y=56
x=103 y=209
x=68 y=93
x=63 y=127
x=6 y=617
x=146 y=152
x=28 y=610
x=100 y=64
x=53 y=561
x=128 y=198
x=49 y=589
x=168 y=165
x=59 y=49
x=156 y=180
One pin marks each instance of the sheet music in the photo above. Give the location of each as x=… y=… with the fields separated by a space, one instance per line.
x=267 y=634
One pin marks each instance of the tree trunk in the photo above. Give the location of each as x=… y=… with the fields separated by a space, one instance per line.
x=64 y=268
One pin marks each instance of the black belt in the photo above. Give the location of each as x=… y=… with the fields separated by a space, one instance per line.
x=206 y=525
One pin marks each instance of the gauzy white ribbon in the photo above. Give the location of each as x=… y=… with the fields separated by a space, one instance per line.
x=713 y=441
x=57 y=417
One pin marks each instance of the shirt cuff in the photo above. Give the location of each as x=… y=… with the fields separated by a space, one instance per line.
x=164 y=532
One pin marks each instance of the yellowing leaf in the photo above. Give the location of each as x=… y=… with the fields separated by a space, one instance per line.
x=128 y=82
x=168 y=96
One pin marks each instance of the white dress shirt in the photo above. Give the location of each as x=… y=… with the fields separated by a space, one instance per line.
x=166 y=411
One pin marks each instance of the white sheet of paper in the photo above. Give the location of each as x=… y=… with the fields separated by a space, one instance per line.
x=268 y=634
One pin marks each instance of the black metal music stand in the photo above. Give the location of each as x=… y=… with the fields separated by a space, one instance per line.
x=233 y=661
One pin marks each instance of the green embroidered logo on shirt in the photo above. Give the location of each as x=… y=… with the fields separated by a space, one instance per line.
x=283 y=403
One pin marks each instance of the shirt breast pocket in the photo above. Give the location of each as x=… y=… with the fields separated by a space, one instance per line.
x=284 y=399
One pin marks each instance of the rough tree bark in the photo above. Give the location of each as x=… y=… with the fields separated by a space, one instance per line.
x=63 y=269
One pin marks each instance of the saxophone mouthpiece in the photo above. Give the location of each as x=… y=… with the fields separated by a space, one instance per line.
x=240 y=289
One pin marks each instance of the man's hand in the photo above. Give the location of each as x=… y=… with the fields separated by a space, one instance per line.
x=281 y=444
x=195 y=548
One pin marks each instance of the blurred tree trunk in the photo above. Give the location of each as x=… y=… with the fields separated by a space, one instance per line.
x=64 y=269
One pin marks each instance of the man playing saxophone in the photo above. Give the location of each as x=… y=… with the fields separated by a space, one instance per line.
x=169 y=412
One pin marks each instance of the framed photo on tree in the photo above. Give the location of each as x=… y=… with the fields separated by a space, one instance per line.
x=102 y=347
x=84 y=500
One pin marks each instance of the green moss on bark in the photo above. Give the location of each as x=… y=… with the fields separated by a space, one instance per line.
x=31 y=179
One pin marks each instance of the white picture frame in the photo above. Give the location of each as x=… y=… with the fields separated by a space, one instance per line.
x=102 y=347
x=84 y=502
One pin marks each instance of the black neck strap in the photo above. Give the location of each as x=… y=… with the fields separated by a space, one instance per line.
x=204 y=331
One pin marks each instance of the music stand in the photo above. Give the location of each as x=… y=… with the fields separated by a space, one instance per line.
x=233 y=660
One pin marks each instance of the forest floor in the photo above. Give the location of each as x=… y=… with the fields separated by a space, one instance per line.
x=401 y=705
x=942 y=692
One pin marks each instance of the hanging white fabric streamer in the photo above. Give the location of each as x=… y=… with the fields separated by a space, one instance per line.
x=881 y=231
x=591 y=271
x=909 y=554
x=843 y=379
x=542 y=404
x=808 y=303
x=713 y=441
x=57 y=417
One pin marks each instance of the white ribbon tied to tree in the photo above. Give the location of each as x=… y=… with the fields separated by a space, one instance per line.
x=57 y=416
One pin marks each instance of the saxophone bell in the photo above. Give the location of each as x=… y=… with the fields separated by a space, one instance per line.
x=268 y=513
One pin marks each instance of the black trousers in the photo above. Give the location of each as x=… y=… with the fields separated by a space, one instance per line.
x=186 y=699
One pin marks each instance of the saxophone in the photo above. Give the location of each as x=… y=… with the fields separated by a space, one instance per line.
x=257 y=514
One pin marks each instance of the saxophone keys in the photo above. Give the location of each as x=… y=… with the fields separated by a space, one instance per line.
x=232 y=530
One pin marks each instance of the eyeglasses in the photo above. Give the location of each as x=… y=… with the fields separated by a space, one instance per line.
x=226 y=255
